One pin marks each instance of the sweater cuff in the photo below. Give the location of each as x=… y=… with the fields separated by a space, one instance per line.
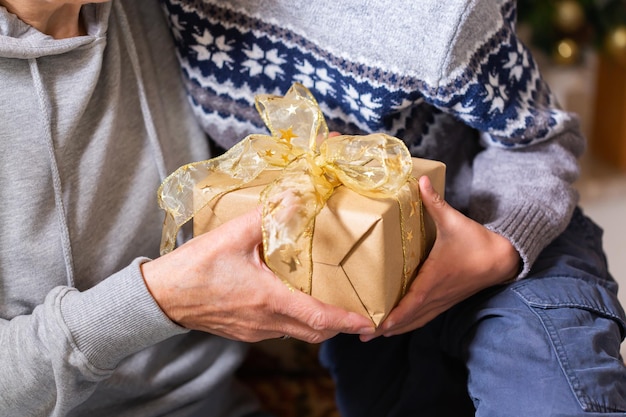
x=116 y=318
x=529 y=230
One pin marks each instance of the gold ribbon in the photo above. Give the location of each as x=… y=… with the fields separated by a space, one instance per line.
x=376 y=165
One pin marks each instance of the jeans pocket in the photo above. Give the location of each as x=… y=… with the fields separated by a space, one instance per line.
x=585 y=324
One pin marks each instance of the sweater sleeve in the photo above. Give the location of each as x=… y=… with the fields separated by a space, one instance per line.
x=53 y=359
x=522 y=179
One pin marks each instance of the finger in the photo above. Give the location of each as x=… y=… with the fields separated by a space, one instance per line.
x=402 y=319
x=407 y=309
x=432 y=200
x=371 y=336
x=250 y=224
x=417 y=306
x=243 y=233
x=314 y=315
x=403 y=326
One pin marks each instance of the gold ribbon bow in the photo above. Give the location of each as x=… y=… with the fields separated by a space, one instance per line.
x=376 y=165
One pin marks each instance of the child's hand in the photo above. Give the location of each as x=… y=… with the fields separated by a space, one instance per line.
x=465 y=259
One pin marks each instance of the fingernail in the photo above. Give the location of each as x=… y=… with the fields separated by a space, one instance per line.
x=367 y=338
x=367 y=330
x=424 y=181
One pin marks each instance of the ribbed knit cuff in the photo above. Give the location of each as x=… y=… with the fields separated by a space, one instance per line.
x=529 y=230
x=116 y=318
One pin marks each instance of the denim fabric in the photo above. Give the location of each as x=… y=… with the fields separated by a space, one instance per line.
x=547 y=345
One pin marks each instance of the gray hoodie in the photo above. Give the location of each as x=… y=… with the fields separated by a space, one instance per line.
x=89 y=126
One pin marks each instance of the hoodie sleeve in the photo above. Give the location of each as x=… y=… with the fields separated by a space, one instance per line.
x=522 y=179
x=53 y=359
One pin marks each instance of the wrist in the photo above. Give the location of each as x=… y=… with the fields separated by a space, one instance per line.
x=153 y=279
x=509 y=264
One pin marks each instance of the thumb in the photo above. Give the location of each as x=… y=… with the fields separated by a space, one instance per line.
x=434 y=203
x=247 y=225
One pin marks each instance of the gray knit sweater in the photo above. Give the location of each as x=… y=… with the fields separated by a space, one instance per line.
x=89 y=127
x=449 y=77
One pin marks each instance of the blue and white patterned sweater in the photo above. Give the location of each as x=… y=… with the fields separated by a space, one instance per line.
x=449 y=78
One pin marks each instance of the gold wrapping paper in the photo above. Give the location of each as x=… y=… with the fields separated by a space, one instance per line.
x=341 y=220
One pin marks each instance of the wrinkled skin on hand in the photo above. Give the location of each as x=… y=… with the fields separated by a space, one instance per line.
x=218 y=283
x=465 y=259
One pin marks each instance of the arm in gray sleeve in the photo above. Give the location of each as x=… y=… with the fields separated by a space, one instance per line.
x=522 y=179
x=52 y=359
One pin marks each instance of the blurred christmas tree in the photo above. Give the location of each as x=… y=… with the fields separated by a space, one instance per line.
x=564 y=28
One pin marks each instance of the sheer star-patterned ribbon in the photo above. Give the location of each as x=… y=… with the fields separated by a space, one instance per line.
x=376 y=166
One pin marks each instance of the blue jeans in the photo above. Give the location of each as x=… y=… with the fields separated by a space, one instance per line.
x=547 y=345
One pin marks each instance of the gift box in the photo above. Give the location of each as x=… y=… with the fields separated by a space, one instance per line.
x=357 y=243
x=342 y=216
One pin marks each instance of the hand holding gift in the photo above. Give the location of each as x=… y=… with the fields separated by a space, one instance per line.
x=465 y=259
x=218 y=283
x=342 y=221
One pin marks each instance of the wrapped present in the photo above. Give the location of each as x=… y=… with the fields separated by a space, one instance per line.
x=342 y=215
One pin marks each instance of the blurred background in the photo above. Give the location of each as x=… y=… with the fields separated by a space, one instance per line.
x=580 y=46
